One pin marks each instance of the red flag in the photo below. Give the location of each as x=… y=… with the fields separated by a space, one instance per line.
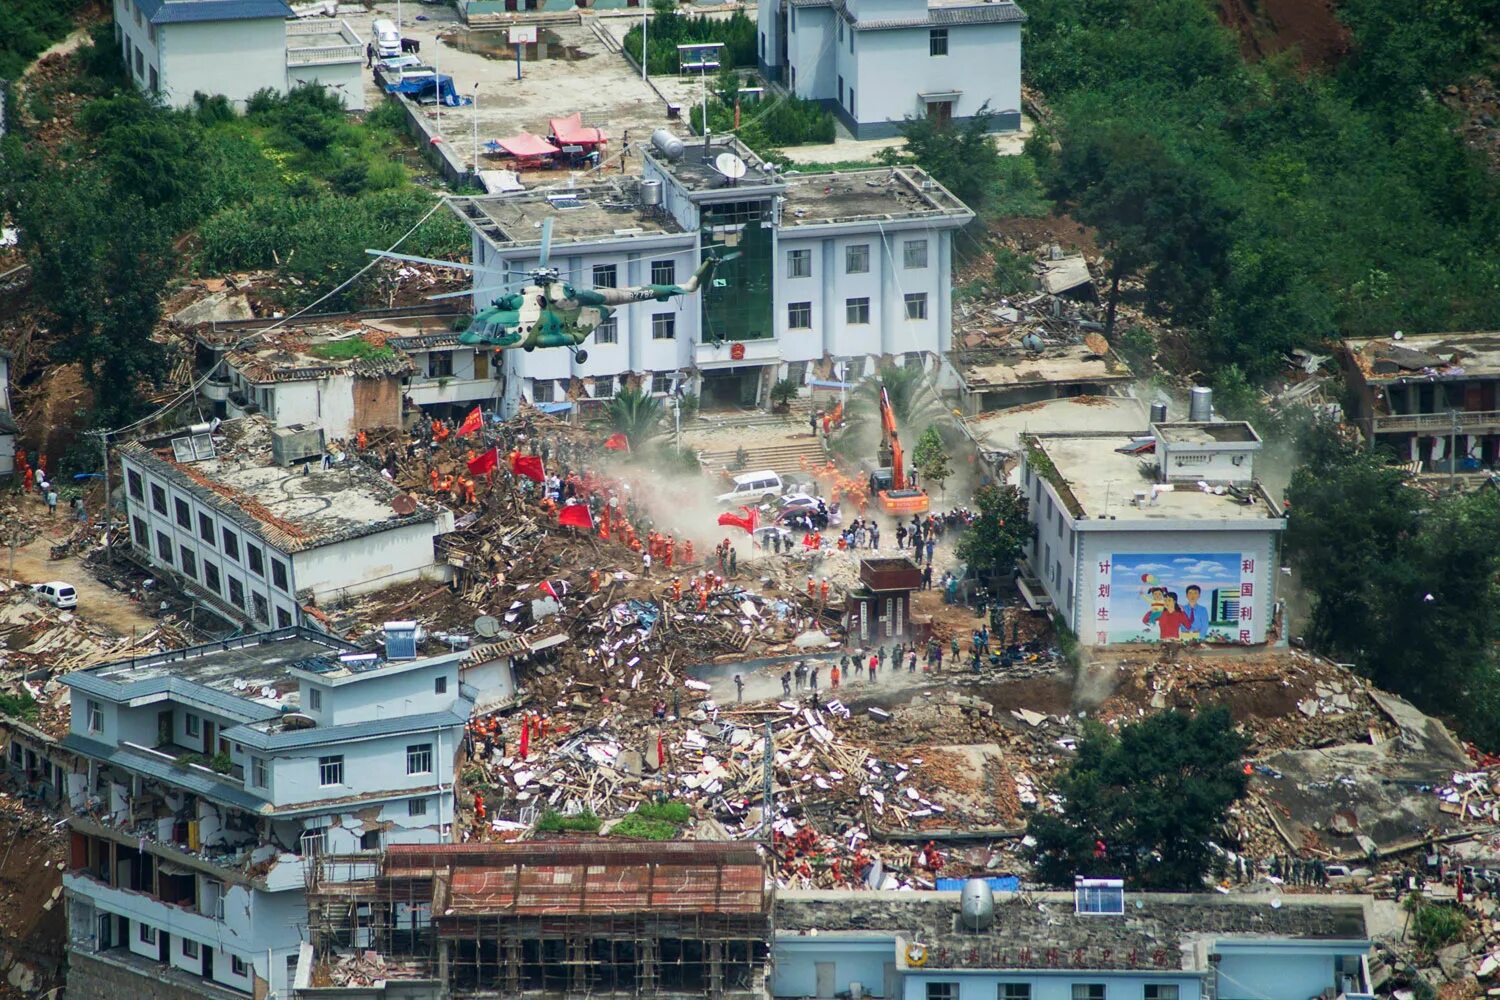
x=735 y=521
x=576 y=515
x=485 y=463
x=529 y=466
x=546 y=587
x=472 y=422
x=617 y=442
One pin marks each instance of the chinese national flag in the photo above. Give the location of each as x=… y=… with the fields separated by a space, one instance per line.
x=735 y=521
x=529 y=466
x=546 y=587
x=576 y=515
x=472 y=422
x=485 y=463
x=617 y=442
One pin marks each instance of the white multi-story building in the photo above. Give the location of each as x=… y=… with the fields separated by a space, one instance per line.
x=854 y=266
x=878 y=62
x=204 y=780
x=258 y=540
x=178 y=48
x=1135 y=543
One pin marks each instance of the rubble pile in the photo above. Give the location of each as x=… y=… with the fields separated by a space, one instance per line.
x=362 y=968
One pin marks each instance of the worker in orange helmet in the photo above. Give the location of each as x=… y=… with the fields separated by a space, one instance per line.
x=823 y=592
x=668 y=547
x=687 y=552
x=594 y=580
x=703 y=599
x=361 y=441
x=676 y=588
x=479 y=809
x=812 y=586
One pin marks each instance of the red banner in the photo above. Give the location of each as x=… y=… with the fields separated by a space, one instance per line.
x=736 y=521
x=617 y=442
x=529 y=466
x=577 y=515
x=472 y=422
x=485 y=463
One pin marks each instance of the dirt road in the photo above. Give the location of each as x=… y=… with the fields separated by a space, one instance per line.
x=97 y=602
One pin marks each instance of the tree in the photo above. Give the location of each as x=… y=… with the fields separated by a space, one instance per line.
x=998 y=535
x=1157 y=217
x=636 y=414
x=1143 y=805
x=931 y=457
x=961 y=157
x=100 y=263
x=914 y=401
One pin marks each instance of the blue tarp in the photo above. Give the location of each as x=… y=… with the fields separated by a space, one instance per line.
x=554 y=407
x=998 y=883
x=429 y=88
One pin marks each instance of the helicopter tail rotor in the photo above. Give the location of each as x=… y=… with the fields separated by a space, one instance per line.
x=546 y=243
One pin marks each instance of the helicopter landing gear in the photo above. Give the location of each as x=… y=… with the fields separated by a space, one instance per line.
x=528 y=348
x=580 y=356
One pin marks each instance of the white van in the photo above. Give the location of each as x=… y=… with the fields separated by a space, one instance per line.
x=57 y=593
x=753 y=488
x=386 y=38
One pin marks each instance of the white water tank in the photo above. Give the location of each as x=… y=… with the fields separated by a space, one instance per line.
x=976 y=905
x=1200 y=404
x=667 y=144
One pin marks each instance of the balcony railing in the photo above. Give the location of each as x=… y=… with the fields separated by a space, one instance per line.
x=1437 y=423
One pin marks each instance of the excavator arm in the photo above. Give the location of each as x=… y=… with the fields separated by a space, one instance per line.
x=891 y=442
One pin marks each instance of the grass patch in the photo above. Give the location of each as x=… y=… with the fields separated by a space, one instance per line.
x=353 y=349
x=552 y=821
x=654 y=821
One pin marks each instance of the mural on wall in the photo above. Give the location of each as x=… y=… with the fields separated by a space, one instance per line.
x=1193 y=597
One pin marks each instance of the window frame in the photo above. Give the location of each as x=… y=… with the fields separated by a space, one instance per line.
x=159 y=499
x=93 y=715
x=851 y=252
x=260 y=774
x=135 y=484
x=192 y=724
x=1012 y=991
x=914 y=250
x=280 y=575
x=332 y=765
x=231 y=544
x=314 y=699
x=211 y=578
x=857 y=306
x=799 y=260
x=796 y=311
x=195 y=951
x=664 y=321
x=416 y=807
x=664 y=271
x=164 y=548
x=1090 y=991
x=418 y=754
x=937 y=38
x=918 y=299
x=605 y=275
x=206 y=528
x=943 y=989
x=608 y=330
x=182 y=513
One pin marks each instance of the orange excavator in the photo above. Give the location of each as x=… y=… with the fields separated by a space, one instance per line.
x=896 y=495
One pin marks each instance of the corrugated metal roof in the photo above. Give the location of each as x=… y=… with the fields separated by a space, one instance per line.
x=183 y=11
x=176 y=688
x=592 y=878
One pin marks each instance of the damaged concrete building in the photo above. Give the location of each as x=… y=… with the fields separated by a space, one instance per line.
x=990 y=379
x=256 y=538
x=206 y=780
x=556 y=918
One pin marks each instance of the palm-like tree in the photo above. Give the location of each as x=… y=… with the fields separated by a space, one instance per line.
x=914 y=399
x=636 y=414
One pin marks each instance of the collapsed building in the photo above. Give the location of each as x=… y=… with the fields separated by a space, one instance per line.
x=544 y=918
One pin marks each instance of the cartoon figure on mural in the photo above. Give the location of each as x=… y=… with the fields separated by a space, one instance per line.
x=1159 y=597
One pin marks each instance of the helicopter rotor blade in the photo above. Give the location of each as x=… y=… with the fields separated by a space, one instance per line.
x=420 y=260
x=471 y=291
x=546 y=242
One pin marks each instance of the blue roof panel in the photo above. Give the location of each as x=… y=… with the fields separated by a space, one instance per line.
x=183 y=11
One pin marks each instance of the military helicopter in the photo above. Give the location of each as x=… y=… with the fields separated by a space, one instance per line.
x=550 y=312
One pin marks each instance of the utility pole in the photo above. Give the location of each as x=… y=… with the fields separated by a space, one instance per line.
x=767 y=778
x=109 y=555
x=645 y=20
x=1453 y=452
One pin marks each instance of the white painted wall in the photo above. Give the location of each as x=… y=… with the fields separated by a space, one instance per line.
x=343 y=79
x=890 y=68
x=371 y=562
x=810 y=42
x=323 y=402
x=234 y=59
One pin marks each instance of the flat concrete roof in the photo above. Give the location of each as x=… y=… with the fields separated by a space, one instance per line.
x=1072 y=363
x=241 y=667
x=887 y=193
x=1099 y=481
x=1475 y=354
x=1002 y=430
x=582 y=214
x=1207 y=432
x=292 y=510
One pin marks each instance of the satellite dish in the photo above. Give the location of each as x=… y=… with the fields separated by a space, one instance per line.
x=1096 y=344
x=487 y=626
x=730 y=166
x=404 y=504
x=1276 y=903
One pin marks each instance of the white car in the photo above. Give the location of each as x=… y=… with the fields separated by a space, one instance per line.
x=56 y=593
x=764 y=534
x=752 y=488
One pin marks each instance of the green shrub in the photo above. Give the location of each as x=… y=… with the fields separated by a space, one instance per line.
x=20 y=706
x=669 y=29
x=1013 y=272
x=1435 y=927
x=668 y=812
x=351 y=349
x=553 y=821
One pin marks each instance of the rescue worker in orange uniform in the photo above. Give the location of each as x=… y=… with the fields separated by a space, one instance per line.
x=594 y=580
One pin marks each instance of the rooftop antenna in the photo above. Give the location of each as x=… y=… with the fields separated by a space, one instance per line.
x=731 y=166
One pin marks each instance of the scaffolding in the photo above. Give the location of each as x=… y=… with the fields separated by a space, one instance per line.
x=550 y=919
